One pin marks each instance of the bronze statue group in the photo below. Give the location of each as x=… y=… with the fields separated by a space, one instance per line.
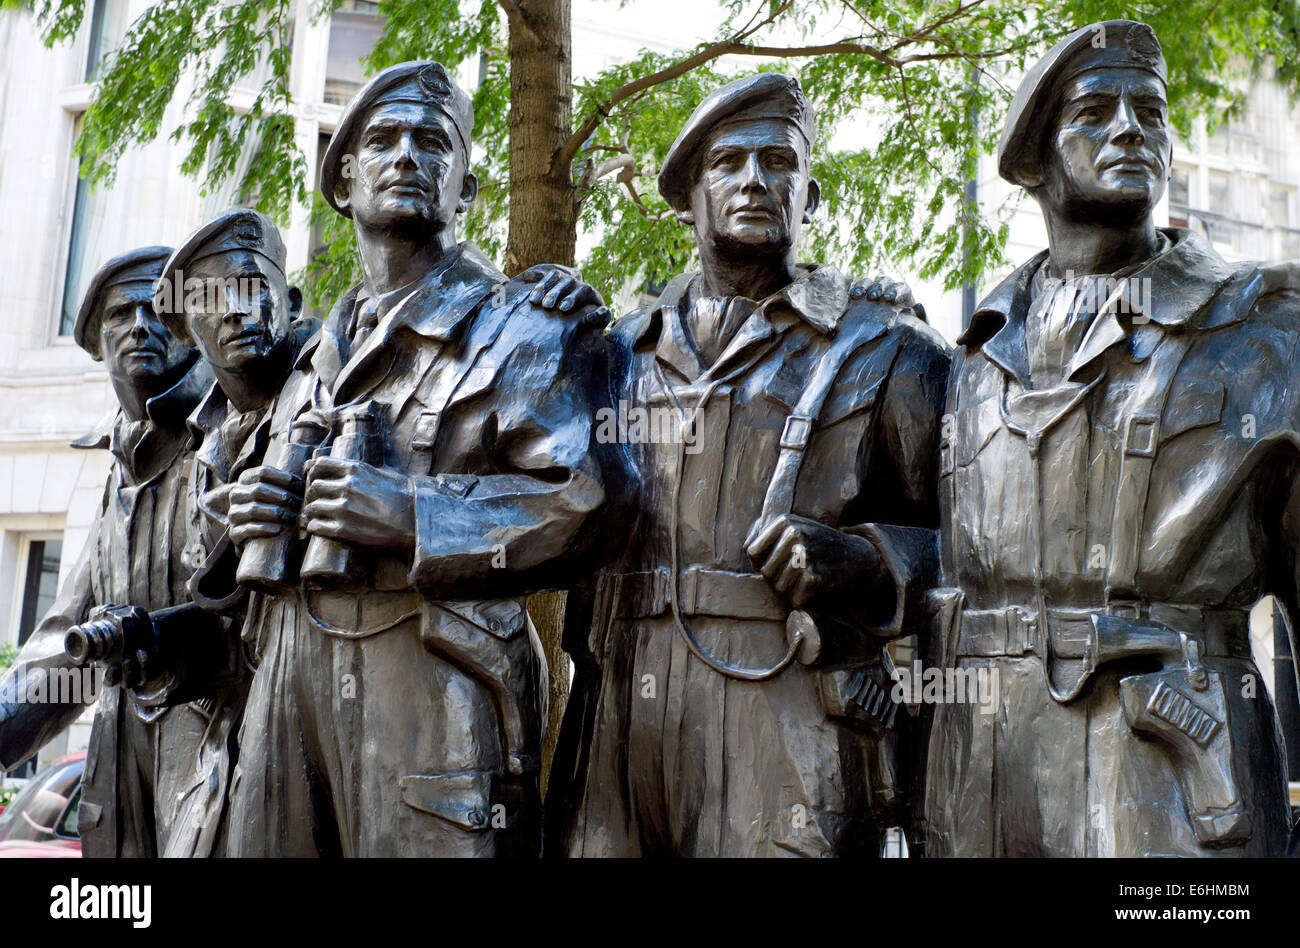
x=307 y=581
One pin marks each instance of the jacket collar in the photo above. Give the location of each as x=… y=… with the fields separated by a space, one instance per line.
x=436 y=306
x=1184 y=277
x=162 y=436
x=818 y=297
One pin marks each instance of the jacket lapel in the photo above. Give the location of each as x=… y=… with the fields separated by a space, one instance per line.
x=436 y=308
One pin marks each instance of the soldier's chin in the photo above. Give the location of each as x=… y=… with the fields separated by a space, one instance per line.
x=401 y=216
x=754 y=239
x=1114 y=204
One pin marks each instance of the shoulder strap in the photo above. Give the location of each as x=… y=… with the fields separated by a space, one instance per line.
x=779 y=499
x=1141 y=428
x=1141 y=435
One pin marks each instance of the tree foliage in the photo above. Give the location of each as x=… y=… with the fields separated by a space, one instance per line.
x=909 y=94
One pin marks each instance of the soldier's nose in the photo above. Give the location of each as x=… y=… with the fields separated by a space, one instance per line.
x=1125 y=127
x=142 y=324
x=406 y=151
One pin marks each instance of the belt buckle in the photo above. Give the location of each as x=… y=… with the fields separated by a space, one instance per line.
x=1124 y=608
x=1019 y=632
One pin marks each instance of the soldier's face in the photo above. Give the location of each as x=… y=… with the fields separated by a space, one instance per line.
x=240 y=308
x=753 y=190
x=408 y=170
x=1108 y=156
x=134 y=344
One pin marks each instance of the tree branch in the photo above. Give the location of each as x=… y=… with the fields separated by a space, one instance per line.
x=518 y=19
x=564 y=155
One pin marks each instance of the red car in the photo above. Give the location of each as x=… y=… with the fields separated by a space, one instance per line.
x=41 y=822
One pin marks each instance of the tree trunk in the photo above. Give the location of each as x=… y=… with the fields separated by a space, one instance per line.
x=543 y=229
x=542 y=219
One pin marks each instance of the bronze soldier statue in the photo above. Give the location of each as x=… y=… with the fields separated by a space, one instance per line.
x=442 y=428
x=1119 y=481
x=733 y=695
x=225 y=291
x=141 y=747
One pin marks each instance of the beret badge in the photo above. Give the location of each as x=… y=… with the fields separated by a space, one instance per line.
x=1142 y=44
x=433 y=80
x=248 y=232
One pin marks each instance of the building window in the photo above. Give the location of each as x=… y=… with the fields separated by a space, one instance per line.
x=40 y=581
x=1180 y=181
x=1220 y=184
x=354 y=29
x=1279 y=206
x=107 y=29
x=85 y=248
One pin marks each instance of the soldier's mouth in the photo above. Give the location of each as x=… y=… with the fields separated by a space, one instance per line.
x=245 y=337
x=409 y=188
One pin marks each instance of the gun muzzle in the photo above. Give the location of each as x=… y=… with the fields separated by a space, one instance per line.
x=93 y=642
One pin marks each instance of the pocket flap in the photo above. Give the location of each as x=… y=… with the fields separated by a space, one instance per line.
x=462 y=798
x=503 y=618
x=1193 y=404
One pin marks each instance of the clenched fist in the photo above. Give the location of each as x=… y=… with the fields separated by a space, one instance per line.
x=265 y=501
x=804 y=559
x=359 y=503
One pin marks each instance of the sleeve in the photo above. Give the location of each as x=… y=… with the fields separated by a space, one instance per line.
x=897 y=511
x=520 y=527
x=42 y=667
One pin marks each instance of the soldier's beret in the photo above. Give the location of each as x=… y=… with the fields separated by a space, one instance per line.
x=143 y=265
x=766 y=95
x=420 y=81
x=1110 y=44
x=238 y=229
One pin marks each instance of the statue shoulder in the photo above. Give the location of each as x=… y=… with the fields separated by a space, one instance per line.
x=1267 y=297
x=624 y=331
x=912 y=335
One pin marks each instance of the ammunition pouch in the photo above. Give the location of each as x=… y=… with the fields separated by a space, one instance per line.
x=1186 y=709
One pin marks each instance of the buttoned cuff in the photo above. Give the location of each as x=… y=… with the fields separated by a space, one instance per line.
x=449 y=545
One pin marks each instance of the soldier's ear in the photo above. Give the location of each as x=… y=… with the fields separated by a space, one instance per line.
x=295 y=303
x=468 y=192
x=814 y=200
x=180 y=331
x=343 y=195
x=1030 y=175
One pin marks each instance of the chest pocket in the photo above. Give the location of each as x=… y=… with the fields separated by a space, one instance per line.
x=1194 y=403
x=425 y=412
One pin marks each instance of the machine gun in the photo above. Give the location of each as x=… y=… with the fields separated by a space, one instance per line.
x=172 y=656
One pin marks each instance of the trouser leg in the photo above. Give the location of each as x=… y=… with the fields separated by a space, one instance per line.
x=413 y=753
x=747 y=768
x=280 y=800
x=599 y=817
